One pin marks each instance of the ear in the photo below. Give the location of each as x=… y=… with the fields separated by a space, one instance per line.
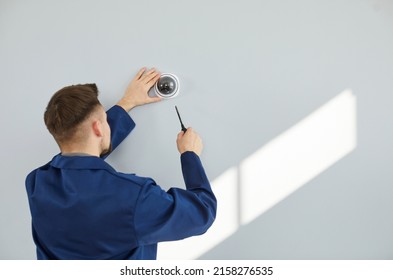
x=97 y=128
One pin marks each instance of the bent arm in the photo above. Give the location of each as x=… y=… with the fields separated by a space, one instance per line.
x=178 y=213
x=121 y=125
x=136 y=94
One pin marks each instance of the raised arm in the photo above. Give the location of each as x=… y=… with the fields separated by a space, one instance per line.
x=136 y=94
x=178 y=213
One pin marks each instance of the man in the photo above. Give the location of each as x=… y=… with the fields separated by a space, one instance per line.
x=83 y=209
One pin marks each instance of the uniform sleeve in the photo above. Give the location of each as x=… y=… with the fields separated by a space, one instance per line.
x=177 y=213
x=120 y=123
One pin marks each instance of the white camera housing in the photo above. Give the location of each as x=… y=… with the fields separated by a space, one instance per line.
x=167 y=86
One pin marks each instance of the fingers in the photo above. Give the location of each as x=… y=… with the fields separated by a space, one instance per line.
x=180 y=135
x=150 y=76
x=154 y=99
x=152 y=79
x=190 y=131
x=151 y=71
x=140 y=73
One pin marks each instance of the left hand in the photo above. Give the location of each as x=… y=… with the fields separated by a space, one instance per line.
x=137 y=90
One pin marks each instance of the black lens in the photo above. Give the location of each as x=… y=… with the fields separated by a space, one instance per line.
x=166 y=85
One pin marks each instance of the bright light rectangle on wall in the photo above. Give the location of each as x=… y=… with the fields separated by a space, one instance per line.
x=298 y=155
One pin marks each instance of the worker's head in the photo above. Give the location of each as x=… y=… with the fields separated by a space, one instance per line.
x=75 y=117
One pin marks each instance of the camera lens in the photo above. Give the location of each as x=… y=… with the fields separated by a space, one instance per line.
x=167 y=86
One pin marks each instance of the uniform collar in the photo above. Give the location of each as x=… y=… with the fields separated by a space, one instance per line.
x=79 y=162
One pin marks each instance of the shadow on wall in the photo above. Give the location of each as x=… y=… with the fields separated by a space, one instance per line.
x=273 y=172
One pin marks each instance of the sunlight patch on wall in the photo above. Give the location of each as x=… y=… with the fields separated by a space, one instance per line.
x=297 y=156
x=273 y=172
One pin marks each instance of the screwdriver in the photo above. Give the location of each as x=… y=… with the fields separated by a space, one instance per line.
x=183 y=128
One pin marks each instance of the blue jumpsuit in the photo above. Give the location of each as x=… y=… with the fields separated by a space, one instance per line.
x=82 y=208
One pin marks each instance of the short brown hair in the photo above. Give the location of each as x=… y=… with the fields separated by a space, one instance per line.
x=68 y=108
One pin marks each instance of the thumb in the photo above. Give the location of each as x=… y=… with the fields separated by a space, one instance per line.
x=180 y=135
x=154 y=99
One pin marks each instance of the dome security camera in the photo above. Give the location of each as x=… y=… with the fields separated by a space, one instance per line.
x=167 y=86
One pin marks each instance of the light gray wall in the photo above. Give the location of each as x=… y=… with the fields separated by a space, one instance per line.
x=249 y=70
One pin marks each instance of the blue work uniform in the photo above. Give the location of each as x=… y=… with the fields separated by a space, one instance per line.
x=82 y=208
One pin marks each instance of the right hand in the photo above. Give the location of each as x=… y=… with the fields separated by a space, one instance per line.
x=189 y=141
